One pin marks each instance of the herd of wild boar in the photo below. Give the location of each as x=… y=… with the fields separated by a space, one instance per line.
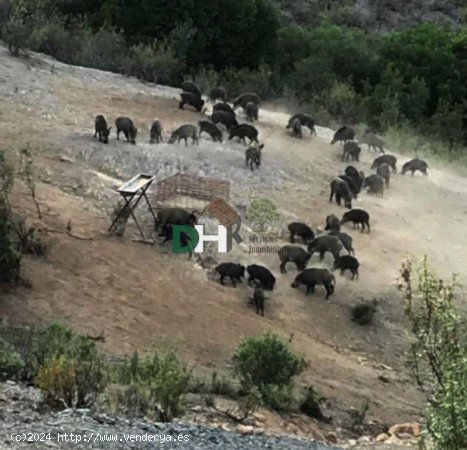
x=222 y=114
x=344 y=188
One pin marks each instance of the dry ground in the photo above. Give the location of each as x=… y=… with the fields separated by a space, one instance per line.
x=138 y=295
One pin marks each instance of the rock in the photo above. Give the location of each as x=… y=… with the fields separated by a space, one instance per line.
x=362 y=360
x=384 y=379
x=225 y=427
x=405 y=436
x=332 y=438
x=393 y=440
x=245 y=429
x=411 y=429
x=384 y=367
x=382 y=437
x=259 y=417
x=364 y=439
x=66 y=159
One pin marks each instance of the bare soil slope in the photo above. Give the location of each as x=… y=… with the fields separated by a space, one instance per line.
x=140 y=295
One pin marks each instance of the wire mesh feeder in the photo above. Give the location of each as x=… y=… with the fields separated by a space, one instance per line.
x=190 y=191
x=223 y=212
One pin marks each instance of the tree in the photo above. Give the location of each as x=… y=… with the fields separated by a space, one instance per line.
x=438 y=354
x=224 y=33
x=425 y=52
x=292 y=46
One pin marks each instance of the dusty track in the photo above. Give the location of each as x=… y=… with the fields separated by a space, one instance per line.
x=138 y=295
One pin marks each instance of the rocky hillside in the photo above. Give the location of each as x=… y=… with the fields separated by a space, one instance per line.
x=374 y=15
x=25 y=424
x=156 y=296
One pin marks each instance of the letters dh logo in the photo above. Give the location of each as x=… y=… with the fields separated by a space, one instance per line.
x=188 y=239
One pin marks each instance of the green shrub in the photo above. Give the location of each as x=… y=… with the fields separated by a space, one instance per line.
x=262 y=211
x=11 y=363
x=239 y=81
x=59 y=340
x=71 y=382
x=438 y=353
x=310 y=405
x=66 y=366
x=250 y=402
x=10 y=257
x=268 y=364
x=207 y=78
x=37 y=347
x=7 y=173
x=363 y=313
x=279 y=398
x=155 y=63
x=343 y=103
x=50 y=35
x=22 y=339
x=16 y=33
x=311 y=76
x=153 y=384
x=104 y=49
x=358 y=416
x=222 y=386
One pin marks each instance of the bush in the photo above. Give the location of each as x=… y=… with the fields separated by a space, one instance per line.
x=132 y=400
x=250 y=402
x=16 y=33
x=239 y=81
x=30 y=241
x=267 y=364
x=262 y=211
x=343 y=103
x=59 y=340
x=11 y=363
x=7 y=173
x=50 y=35
x=222 y=386
x=105 y=49
x=22 y=339
x=207 y=78
x=363 y=313
x=311 y=76
x=279 y=398
x=66 y=366
x=37 y=347
x=10 y=257
x=358 y=416
x=153 y=384
x=155 y=63
x=438 y=354
x=310 y=405
x=71 y=382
